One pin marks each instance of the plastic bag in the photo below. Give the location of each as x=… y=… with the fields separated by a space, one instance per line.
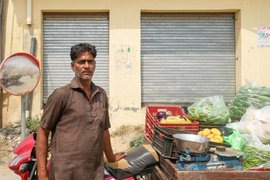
x=255 y=153
x=211 y=110
x=249 y=95
x=257 y=122
x=236 y=140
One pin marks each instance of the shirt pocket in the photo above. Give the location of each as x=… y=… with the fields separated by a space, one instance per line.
x=99 y=117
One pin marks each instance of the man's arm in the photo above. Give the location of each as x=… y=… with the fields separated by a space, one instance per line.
x=41 y=152
x=108 y=148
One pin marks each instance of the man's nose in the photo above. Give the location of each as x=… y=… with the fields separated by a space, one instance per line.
x=87 y=64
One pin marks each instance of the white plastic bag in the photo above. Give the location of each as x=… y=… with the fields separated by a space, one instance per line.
x=257 y=122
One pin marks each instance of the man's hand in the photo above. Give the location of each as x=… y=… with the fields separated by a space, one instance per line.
x=108 y=148
x=119 y=155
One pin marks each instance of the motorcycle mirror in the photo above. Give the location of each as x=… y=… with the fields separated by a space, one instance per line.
x=19 y=74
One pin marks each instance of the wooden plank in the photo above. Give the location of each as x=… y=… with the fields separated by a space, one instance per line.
x=223 y=175
x=167 y=173
x=158 y=174
x=213 y=175
x=168 y=165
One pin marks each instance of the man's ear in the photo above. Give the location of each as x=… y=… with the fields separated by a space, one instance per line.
x=72 y=65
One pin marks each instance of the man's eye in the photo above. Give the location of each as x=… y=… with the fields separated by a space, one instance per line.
x=91 y=62
x=86 y=62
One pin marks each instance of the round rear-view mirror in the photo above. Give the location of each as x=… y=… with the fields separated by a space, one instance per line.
x=19 y=74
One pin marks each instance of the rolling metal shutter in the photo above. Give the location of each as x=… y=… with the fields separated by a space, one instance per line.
x=185 y=57
x=60 y=32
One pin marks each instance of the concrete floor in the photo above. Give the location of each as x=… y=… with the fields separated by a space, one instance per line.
x=7 y=174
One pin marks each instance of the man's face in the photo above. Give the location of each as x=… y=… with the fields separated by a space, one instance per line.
x=84 y=66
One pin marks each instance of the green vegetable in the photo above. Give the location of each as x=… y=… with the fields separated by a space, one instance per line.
x=248 y=95
x=137 y=141
x=211 y=110
x=254 y=157
x=32 y=124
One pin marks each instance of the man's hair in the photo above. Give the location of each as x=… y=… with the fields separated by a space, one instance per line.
x=82 y=47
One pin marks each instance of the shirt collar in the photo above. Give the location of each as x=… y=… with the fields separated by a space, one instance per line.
x=75 y=85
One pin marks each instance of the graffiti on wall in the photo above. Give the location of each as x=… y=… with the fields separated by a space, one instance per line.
x=263 y=35
x=124 y=57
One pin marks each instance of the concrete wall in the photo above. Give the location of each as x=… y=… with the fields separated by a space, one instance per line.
x=125 y=87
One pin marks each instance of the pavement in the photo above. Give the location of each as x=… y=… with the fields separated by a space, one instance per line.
x=7 y=174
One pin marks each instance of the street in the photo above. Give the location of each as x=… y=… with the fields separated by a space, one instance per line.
x=7 y=174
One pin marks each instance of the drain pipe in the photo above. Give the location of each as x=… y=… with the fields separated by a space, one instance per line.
x=29 y=97
x=26 y=100
x=29 y=12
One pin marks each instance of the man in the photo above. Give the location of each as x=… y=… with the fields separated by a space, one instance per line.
x=77 y=115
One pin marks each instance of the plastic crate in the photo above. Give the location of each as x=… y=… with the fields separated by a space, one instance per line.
x=151 y=121
x=204 y=125
x=163 y=142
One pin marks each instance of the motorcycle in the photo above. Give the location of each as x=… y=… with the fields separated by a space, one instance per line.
x=24 y=163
